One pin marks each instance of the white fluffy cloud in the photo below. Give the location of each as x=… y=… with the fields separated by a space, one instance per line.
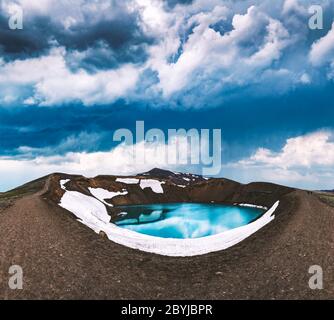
x=53 y=83
x=315 y=149
x=208 y=54
x=251 y=52
x=303 y=160
x=322 y=51
x=67 y=13
x=293 y=6
x=121 y=160
x=209 y=45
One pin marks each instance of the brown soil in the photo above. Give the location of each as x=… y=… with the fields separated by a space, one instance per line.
x=63 y=259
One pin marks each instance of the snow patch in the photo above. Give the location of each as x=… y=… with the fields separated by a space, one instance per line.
x=87 y=209
x=155 y=185
x=251 y=206
x=102 y=194
x=63 y=182
x=93 y=214
x=128 y=180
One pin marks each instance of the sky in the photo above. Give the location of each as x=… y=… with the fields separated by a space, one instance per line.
x=79 y=70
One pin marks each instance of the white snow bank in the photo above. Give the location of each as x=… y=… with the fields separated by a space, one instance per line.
x=89 y=210
x=128 y=180
x=103 y=194
x=251 y=206
x=155 y=185
x=93 y=214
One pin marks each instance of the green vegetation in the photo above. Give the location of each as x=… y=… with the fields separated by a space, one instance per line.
x=327 y=197
x=6 y=198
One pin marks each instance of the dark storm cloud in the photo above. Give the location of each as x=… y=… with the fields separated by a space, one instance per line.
x=173 y=3
x=269 y=127
x=107 y=44
x=31 y=41
x=117 y=39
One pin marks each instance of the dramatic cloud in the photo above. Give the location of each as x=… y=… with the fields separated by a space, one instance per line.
x=75 y=143
x=53 y=83
x=173 y=3
x=176 y=48
x=303 y=160
x=119 y=161
x=253 y=68
x=236 y=57
x=322 y=51
x=77 y=25
x=316 y=149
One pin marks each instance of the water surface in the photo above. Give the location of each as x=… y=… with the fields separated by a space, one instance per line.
x=185 y=220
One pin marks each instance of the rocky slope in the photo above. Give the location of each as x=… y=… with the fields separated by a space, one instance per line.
x=62 y=258
x=176 y=187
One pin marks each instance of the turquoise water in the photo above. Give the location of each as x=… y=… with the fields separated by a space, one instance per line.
x=185 y=220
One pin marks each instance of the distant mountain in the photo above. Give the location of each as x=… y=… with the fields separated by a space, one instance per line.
x=175 y=177
x=161 y=186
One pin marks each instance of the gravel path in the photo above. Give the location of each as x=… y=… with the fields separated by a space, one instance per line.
x=62 y=259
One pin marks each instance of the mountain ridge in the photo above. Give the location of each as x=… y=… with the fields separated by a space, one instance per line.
x=63 y=259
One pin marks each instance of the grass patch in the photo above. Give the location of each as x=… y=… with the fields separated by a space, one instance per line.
x=327 y=198
x=26 y=189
